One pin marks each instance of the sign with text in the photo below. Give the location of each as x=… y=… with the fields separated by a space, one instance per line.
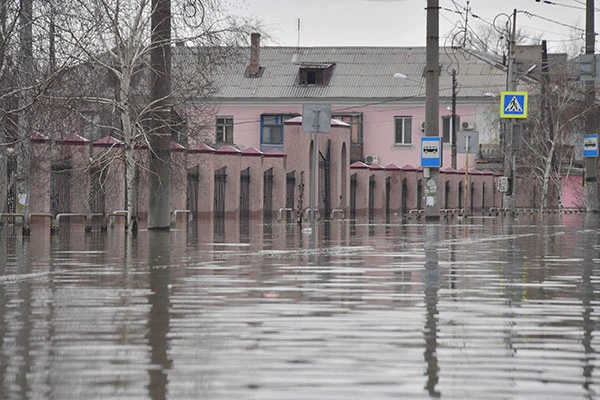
x=590 y=145
x=431 y=151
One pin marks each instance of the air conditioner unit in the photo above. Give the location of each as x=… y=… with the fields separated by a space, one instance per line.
x=423 y=126
x=372 y=159
x=467 y=126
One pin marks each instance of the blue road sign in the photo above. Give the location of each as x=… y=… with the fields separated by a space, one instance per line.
x=513 y=104
x=590 y=145
x=431 y=151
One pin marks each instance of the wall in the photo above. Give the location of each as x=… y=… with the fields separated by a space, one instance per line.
x=300 y=161
x=378 y=127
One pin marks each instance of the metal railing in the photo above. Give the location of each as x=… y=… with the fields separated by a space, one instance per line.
x=61 y=216
x=315 y=211
x=287 y=211
x=176 y=213
x=336 y=211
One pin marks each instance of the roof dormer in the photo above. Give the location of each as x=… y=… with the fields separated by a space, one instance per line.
x=310 y=73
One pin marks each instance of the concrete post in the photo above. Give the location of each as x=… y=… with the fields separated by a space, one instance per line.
x=432 y=101
x=591 y=163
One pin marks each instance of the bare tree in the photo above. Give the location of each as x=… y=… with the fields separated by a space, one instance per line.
x=6 y=31
x=111 y=41
x=25 y=74
x=19 y=87
x=553 y=133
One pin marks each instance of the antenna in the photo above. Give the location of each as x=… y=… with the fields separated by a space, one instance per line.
x=298 y=33
x=467 y=10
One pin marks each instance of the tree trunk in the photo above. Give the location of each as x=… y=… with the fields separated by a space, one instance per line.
x=3 y=172
x=129 y=139
x=3 y=155
x=159 y=216
x=546 y=177
x=24 y=152
x=130 y=179
x=132 y=189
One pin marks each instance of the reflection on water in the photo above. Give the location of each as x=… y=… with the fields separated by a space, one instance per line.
x=235 y=310
x=159 y=262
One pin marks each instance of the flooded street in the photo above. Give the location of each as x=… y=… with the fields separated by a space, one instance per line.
x=476 y=309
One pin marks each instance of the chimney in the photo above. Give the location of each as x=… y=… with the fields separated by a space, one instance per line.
x=254 y=54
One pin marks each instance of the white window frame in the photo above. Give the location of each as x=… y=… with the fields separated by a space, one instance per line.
x=405 y=121
x=447 y=124
x=223 y=122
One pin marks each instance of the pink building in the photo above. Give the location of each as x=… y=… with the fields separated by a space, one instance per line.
x=252 y=159
x=257 y=94
x=386 y=114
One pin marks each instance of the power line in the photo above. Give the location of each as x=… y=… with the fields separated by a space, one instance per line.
x=530 y=14
x=527 y=13
x=582 y=3
x=553 y=3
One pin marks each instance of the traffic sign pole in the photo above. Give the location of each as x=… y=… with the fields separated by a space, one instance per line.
x=316 y=118
x=513 y=105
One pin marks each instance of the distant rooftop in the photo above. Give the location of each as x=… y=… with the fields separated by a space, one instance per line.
x=356 y=73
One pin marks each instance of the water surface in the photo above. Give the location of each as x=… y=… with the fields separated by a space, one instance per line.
x=478 y=309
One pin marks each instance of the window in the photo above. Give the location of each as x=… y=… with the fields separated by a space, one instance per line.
x=271 y=127
x=447 y=128
x=311 y=76
x=315 y=73
x=403 y=131
x=356 y=130
x=355 y=120
x=224 y=132
x=91 y=126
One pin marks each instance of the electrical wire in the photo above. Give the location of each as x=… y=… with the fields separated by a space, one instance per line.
x=530 y=14
x=462 y=11
x=553 y=3
x=583 y=4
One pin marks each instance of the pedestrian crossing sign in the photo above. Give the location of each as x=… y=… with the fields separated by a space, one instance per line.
x=513 y=104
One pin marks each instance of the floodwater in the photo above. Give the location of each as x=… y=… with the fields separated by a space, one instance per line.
x=484 y=308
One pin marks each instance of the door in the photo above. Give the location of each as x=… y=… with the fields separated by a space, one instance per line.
x=268 y=196
x=220 y=182
x=371 y=198
x=388 y=189
x=404 y=196
x=353 y=187
x=60 y=198
x=191 y=202
x=245 y=194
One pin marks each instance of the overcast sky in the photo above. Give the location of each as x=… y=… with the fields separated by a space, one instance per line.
x=402 y=22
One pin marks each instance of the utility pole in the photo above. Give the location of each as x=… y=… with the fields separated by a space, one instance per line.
x=591 y=163
x=159 y=215
x=453 y=127
x=509 y=199
x=432 y=105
